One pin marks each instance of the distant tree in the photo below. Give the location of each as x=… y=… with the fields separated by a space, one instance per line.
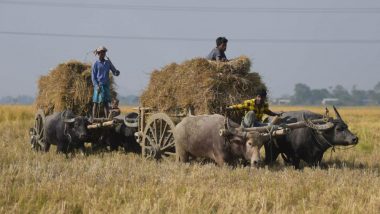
x=373 y=97
x=22 y=99
x=358 y=97
x=317 y=95
x=375 y=94
x=342 y=94
x=302 y=94
x=377 y=88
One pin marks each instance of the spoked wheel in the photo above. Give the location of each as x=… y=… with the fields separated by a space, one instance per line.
x=158 y=140
x=37 y=132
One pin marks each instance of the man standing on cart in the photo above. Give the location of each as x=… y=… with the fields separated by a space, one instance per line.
x=101 y=81
x=255 y=110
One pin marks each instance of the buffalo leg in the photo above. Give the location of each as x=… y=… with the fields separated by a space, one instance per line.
x=81 y=148
x=61 y=148
x=318 y=162
x=114 y=143
x=271 y=153
x=182 y=155
x=47 y=147
x=219 y=159
x=296 y=163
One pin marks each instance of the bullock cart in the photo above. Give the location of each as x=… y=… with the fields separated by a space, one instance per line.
x=155 y=132
x=153 y=129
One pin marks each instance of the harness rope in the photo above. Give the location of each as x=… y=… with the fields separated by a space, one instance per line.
x=318 y=135
x=270 y=131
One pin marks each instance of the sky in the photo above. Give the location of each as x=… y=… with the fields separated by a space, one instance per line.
x=320 y=43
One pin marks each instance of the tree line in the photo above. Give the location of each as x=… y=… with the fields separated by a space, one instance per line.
x=304 y=95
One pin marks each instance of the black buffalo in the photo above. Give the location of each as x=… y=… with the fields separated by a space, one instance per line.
x=120 y=135
x=309 y=143
x=65 y=130
x=114 y=137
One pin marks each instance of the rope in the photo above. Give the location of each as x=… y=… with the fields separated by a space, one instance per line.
x=334 y=147
x=345 y=148
x=321 y=138
x=324 y=141
x=270 y=131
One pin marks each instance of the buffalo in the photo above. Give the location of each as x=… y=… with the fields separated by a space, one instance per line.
x=66 y=131
x=200 y=136
x=115 y=137
x=309 y=143
x=120 y=135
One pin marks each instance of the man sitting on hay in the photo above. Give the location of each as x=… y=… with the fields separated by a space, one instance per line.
x=217 y=53
x=255 y=110
x=101 y=81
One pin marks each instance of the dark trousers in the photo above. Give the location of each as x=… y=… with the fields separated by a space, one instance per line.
x=250 y=120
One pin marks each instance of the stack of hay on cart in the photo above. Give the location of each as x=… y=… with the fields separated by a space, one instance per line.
x=206 y=86
x=68 y=86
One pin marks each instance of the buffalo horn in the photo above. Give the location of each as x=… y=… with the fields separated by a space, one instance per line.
x=232 y=130
x=320 y=127
x=72 y=120
x=337 y=113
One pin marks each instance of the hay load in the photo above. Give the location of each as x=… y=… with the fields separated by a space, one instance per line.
x=206 y=86
x=68 y=86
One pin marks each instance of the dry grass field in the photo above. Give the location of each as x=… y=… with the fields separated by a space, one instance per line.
x=116 y=182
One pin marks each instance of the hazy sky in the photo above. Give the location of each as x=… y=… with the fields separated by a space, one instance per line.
x=321 y=43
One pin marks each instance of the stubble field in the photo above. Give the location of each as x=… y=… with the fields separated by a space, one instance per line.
x=116 y=182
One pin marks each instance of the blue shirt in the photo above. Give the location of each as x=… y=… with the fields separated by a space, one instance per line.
x=100 y=72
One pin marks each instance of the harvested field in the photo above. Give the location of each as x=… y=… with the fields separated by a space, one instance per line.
x=126 y=183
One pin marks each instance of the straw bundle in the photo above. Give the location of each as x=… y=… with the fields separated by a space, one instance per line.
x=206 y=86
x=68 y=86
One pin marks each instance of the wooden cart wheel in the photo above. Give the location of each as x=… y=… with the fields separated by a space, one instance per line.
x=158 y=140
x=37 y=141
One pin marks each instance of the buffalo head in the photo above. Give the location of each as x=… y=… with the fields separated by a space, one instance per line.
x=76 y=126
x=250 y=142
x=335 y=130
